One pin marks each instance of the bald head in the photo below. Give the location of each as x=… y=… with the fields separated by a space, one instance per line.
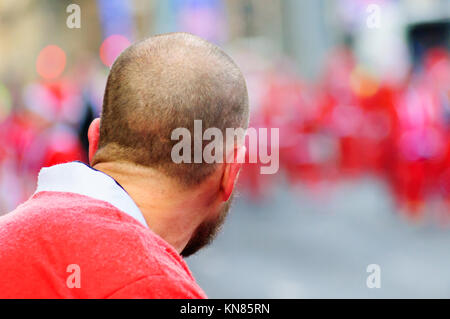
x=163 y=83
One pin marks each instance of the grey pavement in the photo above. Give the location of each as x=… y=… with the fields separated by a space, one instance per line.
x=298 y=245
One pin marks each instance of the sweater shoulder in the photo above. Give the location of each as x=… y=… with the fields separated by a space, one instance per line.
x=55 y=230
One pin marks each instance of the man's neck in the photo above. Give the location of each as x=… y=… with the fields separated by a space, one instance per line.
x=170 y=210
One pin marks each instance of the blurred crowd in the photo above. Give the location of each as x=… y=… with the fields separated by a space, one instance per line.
x=42 y=124
x=351 y=123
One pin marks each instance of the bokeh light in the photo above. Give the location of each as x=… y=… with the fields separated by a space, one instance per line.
x=51 y=62
x=111 y=48
x=362 y=83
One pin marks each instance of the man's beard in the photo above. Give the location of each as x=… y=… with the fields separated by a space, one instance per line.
x=207 y=231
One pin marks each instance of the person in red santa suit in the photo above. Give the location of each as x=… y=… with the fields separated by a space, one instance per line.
x=120 y=227
x=421 y=136
x=436 y=78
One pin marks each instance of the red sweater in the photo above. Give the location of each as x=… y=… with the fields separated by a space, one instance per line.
x=57 y=241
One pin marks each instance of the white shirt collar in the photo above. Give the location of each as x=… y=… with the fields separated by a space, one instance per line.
x=79 y=178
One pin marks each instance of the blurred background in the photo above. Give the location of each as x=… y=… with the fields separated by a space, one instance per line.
x=360 y=90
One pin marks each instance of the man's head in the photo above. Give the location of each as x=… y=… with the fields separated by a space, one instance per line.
x=161 y=84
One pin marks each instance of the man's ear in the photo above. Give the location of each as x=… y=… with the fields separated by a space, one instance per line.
x=231 y=172
x=93 y=137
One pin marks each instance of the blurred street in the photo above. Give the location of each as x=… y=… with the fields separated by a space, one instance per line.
x=296 y=246
x=357 y=91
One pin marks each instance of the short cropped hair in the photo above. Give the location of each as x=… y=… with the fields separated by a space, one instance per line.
x=163 y=83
